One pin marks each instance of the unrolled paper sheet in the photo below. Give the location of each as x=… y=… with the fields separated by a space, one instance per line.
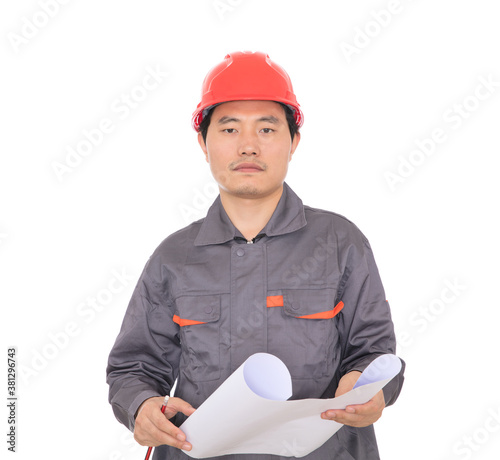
x=254 y=416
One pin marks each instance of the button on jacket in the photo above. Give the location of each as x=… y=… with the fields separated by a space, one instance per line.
x=306 y=290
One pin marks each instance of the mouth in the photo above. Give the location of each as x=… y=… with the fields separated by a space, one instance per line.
x=248 y=167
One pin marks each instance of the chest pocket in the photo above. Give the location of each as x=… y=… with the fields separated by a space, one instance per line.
x=199 y=321
x=302 y=331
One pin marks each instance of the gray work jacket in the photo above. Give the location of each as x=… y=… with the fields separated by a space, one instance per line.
x=306 y=290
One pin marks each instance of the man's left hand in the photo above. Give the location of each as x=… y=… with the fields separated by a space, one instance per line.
x=358 y=415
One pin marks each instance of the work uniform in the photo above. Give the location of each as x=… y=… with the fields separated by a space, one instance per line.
x=306 y=290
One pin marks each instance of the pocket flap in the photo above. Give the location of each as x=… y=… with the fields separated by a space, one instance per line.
x=200 y=309
x=311 y=303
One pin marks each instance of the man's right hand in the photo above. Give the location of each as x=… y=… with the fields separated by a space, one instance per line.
x=152 y=427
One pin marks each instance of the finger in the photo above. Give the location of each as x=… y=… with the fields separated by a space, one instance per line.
x=357 y=419
x=175 y=405
x=355 y=411
x=341 y=416
x=164 y=425
x=158 y=431
x=375 y=405
x=366 y=409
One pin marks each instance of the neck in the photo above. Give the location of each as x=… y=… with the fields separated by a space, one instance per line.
x=250 y=215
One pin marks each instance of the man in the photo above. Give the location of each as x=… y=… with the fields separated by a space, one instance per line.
x=261 y=273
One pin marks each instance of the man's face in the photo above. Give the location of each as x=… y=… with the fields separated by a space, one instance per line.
x=248 y=147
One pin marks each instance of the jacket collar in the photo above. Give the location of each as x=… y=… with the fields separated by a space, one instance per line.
x=288 y=217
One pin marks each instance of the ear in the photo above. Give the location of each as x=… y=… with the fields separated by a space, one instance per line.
x=295 y=143
x=203 y=146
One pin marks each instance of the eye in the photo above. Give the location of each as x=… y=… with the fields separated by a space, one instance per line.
x=267 y=130
x=229 y=130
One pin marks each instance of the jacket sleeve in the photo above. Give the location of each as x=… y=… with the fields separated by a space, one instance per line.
x=365 y=325
x=144 y=359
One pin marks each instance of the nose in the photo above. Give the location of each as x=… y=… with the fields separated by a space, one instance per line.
x=249 y=143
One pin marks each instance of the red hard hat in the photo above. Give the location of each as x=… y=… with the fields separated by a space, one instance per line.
x=246 y=76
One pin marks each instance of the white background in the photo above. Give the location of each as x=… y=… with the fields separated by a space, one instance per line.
x=63 y=239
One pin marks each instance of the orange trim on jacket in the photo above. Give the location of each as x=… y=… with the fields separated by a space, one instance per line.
x=274 y=301
x=185 y=322
x=325 y=314
x=277 y=301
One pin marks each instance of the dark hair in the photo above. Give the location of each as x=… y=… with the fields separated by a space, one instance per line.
x=289 y=113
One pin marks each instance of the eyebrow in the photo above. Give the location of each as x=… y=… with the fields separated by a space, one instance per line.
x=269 y=119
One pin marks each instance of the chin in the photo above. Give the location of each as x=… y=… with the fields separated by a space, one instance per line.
x=247 y=190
